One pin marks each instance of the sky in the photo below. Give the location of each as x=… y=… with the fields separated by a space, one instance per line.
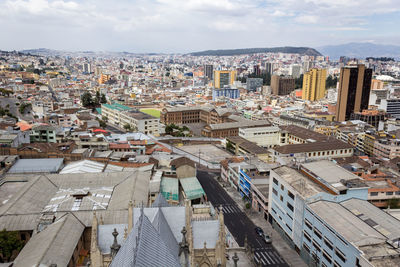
x=180 y=26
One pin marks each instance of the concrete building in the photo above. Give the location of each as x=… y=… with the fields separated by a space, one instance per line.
x=43 y=134
x=282 y=85
x=263 y=136
x=295 y=71
x=224 y=78
x=354 y=90
x=391 y=106
x=232 y=93
x=252 y=84
x=208 y=71
x=314 y=82
x=323 y=212
x=372 y=117
x=121 y=116
x=269 y=68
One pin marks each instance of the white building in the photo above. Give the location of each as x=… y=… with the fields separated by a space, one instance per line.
x=263 y=136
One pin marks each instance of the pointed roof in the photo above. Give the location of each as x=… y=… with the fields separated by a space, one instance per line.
x=162 y=227
x=144 y=247
x=160 y=201
x=54 y=245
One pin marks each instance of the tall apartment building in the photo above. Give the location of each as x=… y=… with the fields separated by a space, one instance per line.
x=269 y=68
x=354 y=90
x=224 y=78
x=307 y=65
x=314 y=82
x=208 y=71
x=282 y=85
x=295 y=71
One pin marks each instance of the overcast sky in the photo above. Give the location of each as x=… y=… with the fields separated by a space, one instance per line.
x=193 y=25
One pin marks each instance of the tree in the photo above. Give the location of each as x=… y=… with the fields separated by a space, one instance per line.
x=104 y=118
x=169 y=129
x=127 y=127
x=97 y=98
x=9 y=242
x=87 y=100
x=103 y=99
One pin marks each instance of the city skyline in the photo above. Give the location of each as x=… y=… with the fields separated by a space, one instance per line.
x=185 y=26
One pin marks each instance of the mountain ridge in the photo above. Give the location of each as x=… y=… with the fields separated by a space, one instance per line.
x=247 y=51
x=360 y=50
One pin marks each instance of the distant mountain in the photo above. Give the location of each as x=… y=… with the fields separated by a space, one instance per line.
x=233 y=52
x=360 y=50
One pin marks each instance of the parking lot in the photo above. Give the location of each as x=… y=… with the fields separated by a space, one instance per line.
x=208 y=152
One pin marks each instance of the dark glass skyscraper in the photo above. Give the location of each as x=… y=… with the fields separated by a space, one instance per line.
x=354 y=90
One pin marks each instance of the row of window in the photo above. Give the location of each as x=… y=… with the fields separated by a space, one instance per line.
x=326 y=241
x=387 y=193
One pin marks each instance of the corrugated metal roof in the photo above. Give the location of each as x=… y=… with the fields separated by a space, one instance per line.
x=83 y=166
x=192 y=188
x=169 y=188
x=37 y=166
x=54 y=245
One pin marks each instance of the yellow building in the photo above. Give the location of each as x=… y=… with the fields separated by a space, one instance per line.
x=104 y=78
x=314 y=83
x=224 y=77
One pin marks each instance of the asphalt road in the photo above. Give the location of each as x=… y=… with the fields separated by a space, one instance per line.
x=238 y=223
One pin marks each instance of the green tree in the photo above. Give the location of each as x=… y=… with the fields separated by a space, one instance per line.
x=104 y=118
x=169 y=129
x=87 y=100
x=127 y=127
x=103 y=99
x=97 y=98
x=9 y=242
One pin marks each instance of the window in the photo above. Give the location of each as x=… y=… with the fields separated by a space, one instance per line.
x=290 y=228
x=281 y=197
x=274 y=191
x=326 y=256
x=317 y=233
x=274 y=211
x=328 y=243
x=374 y=193
x=316 y=246
x=275 y=181
x=306 y=248
x=340 y=255
x=336 y=264
x=323 y=265
x=308 y=224
x=389 y=193
x=307 y=236
x=282 y=187
x=290 y=194
x=290 y=206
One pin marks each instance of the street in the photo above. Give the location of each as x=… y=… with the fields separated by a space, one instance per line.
x=238 y=223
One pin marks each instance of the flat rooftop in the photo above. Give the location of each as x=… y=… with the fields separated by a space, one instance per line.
x=331 y=173
x=352 y=228
x=298 y=181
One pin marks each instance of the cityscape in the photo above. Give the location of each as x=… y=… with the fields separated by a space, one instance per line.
x=223 y=143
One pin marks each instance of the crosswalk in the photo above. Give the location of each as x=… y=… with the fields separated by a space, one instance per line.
x=268 y=257
x=230 y=209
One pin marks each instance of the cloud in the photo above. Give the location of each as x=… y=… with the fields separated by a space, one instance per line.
x=187 y=25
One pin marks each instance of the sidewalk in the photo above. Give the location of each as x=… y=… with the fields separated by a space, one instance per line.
x=287 y=253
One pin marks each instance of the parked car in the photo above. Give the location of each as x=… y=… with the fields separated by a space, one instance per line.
x=259 y=231
x=267 y=239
